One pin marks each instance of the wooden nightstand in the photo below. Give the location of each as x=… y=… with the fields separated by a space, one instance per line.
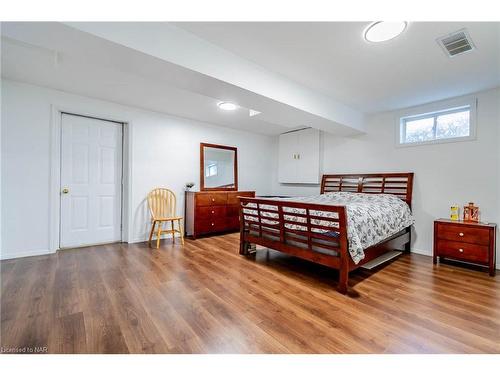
x=465 y=241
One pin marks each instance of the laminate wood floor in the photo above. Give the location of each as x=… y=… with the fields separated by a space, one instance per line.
x=206 y=298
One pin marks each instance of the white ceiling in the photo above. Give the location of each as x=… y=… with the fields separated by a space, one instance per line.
x=78 y=61
x=25 y=63
x=334 y=59
x=215 y=66
x=330 y=59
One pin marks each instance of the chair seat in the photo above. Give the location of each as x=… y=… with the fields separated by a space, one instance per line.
x=167 y=218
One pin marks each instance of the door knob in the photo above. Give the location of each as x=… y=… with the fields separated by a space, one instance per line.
x=65 y=191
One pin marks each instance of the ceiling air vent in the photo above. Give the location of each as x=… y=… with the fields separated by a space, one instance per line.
x=456 y=43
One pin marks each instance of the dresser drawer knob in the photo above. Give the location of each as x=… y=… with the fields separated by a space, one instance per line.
x=213 y=199
x=213 y=211
x=461 y=234
x=461 y=250
x=213 y=224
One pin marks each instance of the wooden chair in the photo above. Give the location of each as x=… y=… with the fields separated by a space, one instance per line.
x=162 y=205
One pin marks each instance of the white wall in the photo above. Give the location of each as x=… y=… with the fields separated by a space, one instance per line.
x=498 y=175
x=164 y=152
x=444 y=173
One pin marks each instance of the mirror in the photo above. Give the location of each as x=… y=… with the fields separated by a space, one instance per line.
x=218 y=167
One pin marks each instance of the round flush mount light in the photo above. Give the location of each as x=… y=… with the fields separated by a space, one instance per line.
x=381 y=31
x=227 y=106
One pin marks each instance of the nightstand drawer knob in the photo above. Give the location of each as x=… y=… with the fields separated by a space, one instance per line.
x=461 y=234
x=461 y=250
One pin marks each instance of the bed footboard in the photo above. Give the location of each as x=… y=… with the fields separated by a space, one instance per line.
x=310 y=231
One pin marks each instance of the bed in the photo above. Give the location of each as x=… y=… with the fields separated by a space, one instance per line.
x=355 y=219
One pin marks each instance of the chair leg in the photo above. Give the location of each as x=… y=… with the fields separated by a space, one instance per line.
x=158 y=235
x=173 y=230
x=151 y=232
x=181 y=230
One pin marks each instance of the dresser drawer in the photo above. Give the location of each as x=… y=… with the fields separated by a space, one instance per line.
x=233 y=211
x=461 y=233
x=215 y=199
x=463 y=251
x=208 y=226
x=233 y=223
x=210 y=212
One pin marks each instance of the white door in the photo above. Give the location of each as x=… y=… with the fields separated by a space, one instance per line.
x=287 y=160
x=308 y=161
x=91 y=178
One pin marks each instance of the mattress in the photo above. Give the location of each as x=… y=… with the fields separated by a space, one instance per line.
x=371 y=218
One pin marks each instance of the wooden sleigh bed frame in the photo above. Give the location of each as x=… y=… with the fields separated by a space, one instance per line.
x=256 y=227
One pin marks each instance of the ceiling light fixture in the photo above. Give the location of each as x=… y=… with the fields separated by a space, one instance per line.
x=381 y=31
x=227 y=106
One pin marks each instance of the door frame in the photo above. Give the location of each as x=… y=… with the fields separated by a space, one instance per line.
x=55 y=171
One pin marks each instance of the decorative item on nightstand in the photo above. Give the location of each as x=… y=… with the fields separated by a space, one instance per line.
x=189 y=186
x=466 y=241
x=471 y=213
x=454 y=212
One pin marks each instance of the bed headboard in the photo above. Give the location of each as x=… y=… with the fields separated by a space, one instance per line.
x=398 y=184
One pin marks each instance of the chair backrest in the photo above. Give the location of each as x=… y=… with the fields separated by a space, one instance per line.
x=161 y=203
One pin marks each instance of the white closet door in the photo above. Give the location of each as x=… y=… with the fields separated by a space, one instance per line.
x=288 y=151
x=308 y=161
x=91 y=175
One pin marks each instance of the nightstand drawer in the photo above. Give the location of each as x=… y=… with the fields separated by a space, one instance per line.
x=461 y=233
x=463 y=251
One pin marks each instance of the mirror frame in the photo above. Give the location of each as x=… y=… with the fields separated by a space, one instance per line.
x=202 y=167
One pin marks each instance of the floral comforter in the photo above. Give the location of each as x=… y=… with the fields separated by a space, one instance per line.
x=371 y=218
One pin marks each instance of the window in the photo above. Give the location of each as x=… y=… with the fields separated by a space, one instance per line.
x=444 y=125
x=211 y=170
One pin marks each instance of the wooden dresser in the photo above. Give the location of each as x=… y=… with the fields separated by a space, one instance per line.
x=465 y=241
x=213 y=211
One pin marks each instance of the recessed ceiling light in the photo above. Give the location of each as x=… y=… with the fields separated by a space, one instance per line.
x=381 y=31
x=227 y=106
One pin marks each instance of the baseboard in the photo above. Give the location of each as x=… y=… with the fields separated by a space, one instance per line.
x=422 y=252
x=146 y=237
x=136 y=240
x=25 y=254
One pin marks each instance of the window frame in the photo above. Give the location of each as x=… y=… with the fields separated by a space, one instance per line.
x=209 y=167
x=435 y=110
